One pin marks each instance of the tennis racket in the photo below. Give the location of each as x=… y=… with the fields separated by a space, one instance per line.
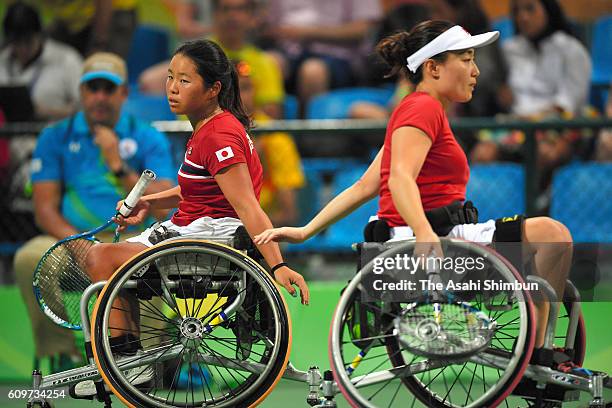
x=60 y=276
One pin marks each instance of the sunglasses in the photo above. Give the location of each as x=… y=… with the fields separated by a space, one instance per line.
x=103 y=85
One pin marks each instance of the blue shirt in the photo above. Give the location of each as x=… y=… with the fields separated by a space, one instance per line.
x=66 y=153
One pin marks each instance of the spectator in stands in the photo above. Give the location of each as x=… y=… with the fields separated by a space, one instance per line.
x=549 y=76
x=232 y=21
x=492 y=96
x=369 y=110
x=319 y=42
x=80 y=168
x=283 y=174
x=603 y=145
x=398 y=18
x=401 y=17
x=49 y=70
x=550 y=69
x=90 y=26
x=193 y=18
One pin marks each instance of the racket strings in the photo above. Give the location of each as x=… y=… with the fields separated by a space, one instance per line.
x=63 y=278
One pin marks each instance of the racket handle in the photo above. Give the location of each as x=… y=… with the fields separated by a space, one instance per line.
x=146 y=177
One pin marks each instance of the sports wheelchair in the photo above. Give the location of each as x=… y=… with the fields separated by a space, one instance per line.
x=218 y=314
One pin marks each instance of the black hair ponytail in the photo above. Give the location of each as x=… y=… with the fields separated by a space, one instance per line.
x=213 y=65
x=396 y=48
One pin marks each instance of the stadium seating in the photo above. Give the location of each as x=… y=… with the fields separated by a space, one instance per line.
x=505 y=28
x=337 y=103
x=498 y=190
x=148 y=107
x=581 y=194
x=290 y=107
x=601 y=51
x=150 y=45
x=325 y=178
x=350 y=229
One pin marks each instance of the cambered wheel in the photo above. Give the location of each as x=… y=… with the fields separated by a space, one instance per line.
x=210 y=325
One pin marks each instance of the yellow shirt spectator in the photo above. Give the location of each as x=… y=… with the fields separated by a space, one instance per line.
x=78 y=13
x=281 y=163
x=265 y=74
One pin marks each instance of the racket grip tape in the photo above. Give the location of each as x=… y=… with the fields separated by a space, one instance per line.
x=131 y=200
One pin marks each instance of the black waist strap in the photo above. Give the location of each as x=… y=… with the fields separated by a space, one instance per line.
x=442 y=221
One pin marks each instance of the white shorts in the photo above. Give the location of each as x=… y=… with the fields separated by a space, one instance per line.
x=202 y=228
x=481 y=233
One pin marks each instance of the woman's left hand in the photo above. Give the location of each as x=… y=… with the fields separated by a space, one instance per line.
x=287 y=277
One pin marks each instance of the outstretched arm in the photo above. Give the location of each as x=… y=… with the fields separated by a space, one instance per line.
x=237 y=187
x=343 y=204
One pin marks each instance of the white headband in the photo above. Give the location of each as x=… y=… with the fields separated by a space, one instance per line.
x=453 y=39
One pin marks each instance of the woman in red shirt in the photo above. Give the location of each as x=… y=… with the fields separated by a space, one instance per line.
x=221 y=175
x=422 y=168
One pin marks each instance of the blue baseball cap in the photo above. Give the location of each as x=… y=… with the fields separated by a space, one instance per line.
x=104 y=65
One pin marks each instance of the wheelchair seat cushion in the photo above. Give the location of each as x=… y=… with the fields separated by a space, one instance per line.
x=214 y=229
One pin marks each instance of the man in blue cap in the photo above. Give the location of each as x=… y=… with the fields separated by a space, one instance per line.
x=80 y=168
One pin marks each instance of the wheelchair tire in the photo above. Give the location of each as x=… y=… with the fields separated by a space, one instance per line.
x=395 y=358
x=235 y=378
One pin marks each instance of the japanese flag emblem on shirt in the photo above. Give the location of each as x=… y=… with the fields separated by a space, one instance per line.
x=225 y=153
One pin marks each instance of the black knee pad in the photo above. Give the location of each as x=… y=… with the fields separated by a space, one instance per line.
x=507 y=231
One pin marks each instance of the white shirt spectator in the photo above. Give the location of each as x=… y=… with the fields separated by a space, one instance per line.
x=53 y=78
x=557 y=74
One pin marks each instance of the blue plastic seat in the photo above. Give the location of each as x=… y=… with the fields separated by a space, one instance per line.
x=290 y=107
x=150 y=45
x=349 y=230
x=497 y=190
x=309 y=197
x=148 y=108
x=505 y=27
x=321 y=186
x=601 y=51
x=581 y=199
x=337 y=103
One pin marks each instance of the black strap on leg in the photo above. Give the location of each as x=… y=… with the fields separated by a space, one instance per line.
x=508 y=239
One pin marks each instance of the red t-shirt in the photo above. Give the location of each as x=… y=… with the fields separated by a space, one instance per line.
x=220 y=143
x=445 y=172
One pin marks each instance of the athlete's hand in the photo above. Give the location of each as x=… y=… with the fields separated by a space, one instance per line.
x=108 y=142
x=283 y=234
x=427 y=244
x=287 y=277
x=139 y=213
